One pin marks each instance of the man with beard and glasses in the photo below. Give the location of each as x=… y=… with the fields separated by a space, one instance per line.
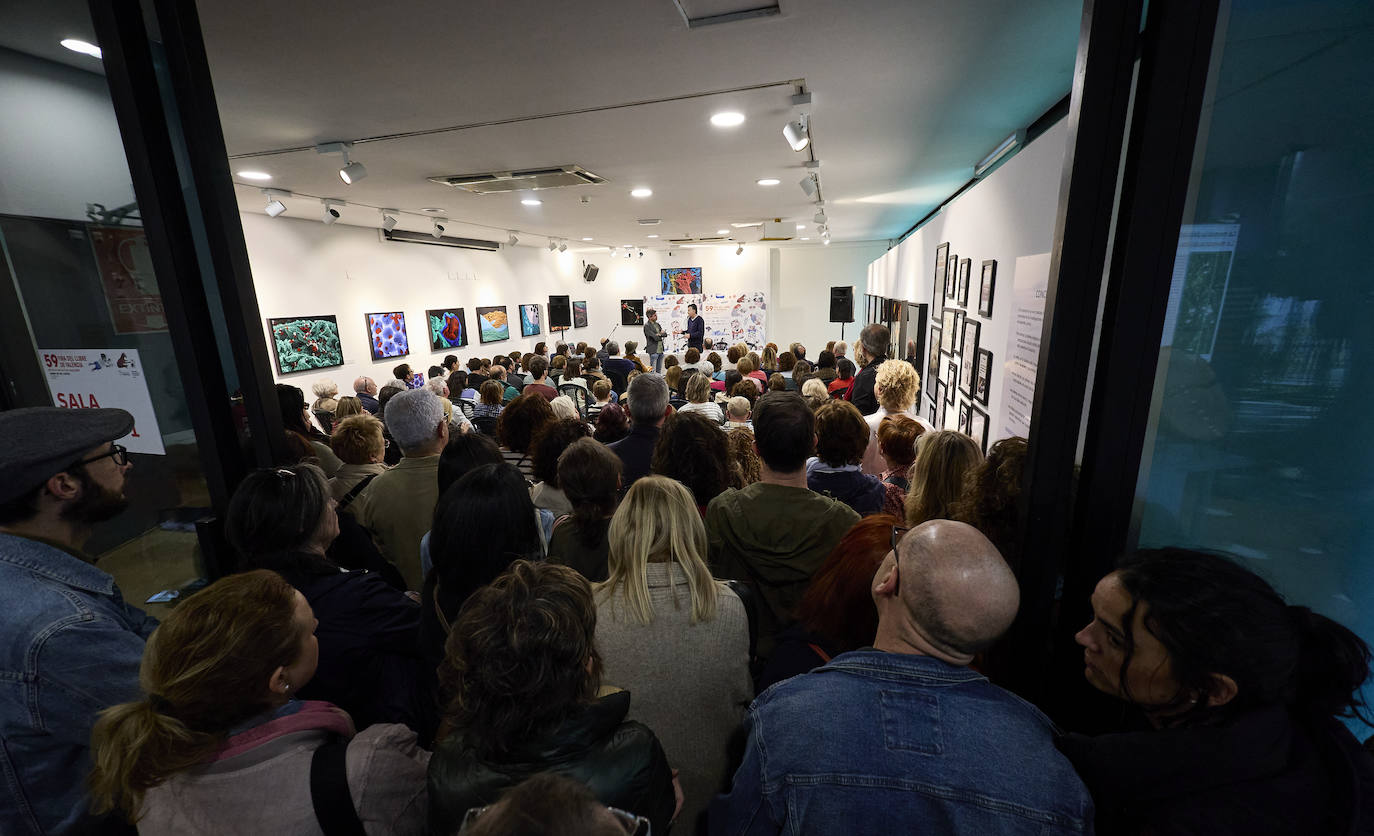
x=69 y=644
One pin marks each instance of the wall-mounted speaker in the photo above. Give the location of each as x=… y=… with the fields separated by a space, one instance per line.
x=589 y=273
x=560 y=311
x=842 y=304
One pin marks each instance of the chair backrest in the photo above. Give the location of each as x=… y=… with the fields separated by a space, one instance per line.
x=677 y=403
x=486 y=424
x=466 y=405
x=617 y=378
x=326 y=419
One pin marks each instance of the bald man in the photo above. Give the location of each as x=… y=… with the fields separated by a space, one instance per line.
x=366 y=390
x=904 y=737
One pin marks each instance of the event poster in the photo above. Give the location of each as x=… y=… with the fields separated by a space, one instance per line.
x=1030 y=285
x=729 y=318
x=80 y=378
x=126 y=275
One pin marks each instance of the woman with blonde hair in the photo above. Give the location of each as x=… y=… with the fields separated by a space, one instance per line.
x=768 y=361
x=216 y=744
x=673 y=377
x=347 y=408
x=699 y=399
x=674 y=637
x=937 y=478
x=895 y=385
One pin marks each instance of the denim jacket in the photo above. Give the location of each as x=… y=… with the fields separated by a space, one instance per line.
x=69 y=647
x=880 y=743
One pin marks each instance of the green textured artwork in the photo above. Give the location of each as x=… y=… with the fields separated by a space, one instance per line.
x=305 y=343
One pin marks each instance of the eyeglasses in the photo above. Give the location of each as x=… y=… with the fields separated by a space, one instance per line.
x=118 y=452
x=632 y=824
x=897 y=532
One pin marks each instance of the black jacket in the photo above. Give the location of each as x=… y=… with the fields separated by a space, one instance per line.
x=1264 y=773
x=620 y=761
x=863 y=396
x=635 y=450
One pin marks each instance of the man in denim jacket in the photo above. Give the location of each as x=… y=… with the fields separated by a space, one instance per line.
x=69 y=645
x=904 y=737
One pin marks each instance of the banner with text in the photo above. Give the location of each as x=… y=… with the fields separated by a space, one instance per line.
x=1030 y=285
x=95 y=378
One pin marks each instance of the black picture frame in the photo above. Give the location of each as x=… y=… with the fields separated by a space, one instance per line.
x=933 y=363
x=951 y=379
x=964 y=411
x=488 y=331
x=948 y=330
x=388 y=328
x=632 y=311
x=939 y=405
x=965 y=276
x=302 y=335
x=952 y=278
x=971 y=334
x=934 y=410
x=439 y=322
x=937 y=301
x=579 y=313
x=957 y=343
x=982 y=376
x=978 y=427
x=986 y=286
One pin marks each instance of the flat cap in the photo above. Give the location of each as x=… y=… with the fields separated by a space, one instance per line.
x=38 y=442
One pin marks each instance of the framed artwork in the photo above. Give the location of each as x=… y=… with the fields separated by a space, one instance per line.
x=982 y=376
x=951 y=415
x=678 y=280
x=965 y=274
x=938 y=287
x=631 y=311
x=493 y=325
x=305 y=343
x=933 y=365
x=964 y=411
x=972 y=329
x=529 y=320
x=579 y=314
x=949 y=330
x=957 y=342
x=934 y=415
x=952 y=277
x=448 y=328
x=986 y=287
x=951 y=377
x=386 y=335
x=978 y=427
x=937 y=409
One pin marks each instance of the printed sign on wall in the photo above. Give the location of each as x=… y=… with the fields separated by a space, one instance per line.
x=126 y=274
x=93 y=378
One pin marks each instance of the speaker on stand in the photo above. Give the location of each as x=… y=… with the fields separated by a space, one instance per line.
x=842 y=306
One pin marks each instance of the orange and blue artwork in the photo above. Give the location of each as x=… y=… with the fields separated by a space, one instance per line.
x=386 y=333
x=681 y=279
x=447 y=328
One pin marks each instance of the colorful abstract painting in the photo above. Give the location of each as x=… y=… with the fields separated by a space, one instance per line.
x=681 y=280
x=579 y=314
x=305 y=343
x=448 y=328
x=529 y=320
x=386 y=334
x=493 y=324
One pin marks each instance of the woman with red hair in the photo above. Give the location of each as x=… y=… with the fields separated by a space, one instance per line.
x=836 y=614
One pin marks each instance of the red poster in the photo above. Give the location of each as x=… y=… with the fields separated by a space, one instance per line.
x=126 y=273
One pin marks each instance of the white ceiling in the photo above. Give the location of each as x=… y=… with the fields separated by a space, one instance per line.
x=909 y=95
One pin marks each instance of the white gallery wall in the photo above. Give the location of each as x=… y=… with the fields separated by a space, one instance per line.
x=1008 y=214
x=303 y=268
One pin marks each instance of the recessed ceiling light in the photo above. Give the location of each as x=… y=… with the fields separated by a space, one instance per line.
x=530 y=201
x=433 y=210
x=801 y=226
x=769 y=181
x=727 y=119
x=722 y=232
x=804 y=238
x=641 y=192
x=82 y=47
x=586 y=239
x=652 y=236
x=254 y=175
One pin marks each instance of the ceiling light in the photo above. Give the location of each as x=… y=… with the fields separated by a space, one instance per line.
x=628 y=254
x=532 y=201
x=1004 y=148
x=804 y=238
x=801 y=226
x=330 y=213
x=512 y=239
x=808 y=185
x=769 y=181
x=739 y=250
x=563 y=246
x=613 y=251
x=796 y=134
x=82 y=47
x=722 y=232
x=274 y=207
x=388 y=221
x=433 y=210
x=651 y=236
x=727 y=119
x=641 y=192
x=586 y=239
x=819 y=217
x=253 y=175
x=438 y=231
x=826 y=241
x=553 y=245
x=351 y=172
x=641 y=253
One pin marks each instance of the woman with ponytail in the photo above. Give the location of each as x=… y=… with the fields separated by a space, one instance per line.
x=218 y=745
x=1241 y=692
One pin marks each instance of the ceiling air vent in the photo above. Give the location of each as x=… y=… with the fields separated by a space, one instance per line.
x=517 y=181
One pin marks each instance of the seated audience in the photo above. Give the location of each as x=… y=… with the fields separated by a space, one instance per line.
x=1240 y=692
x=673 y=377
x=521 y=421
x=283 y=519
x=402 y=373
x=895 y=386
x=217 y=743
x=714 y=359
x=558 y=368
x=366 y=390
x=564 y=408
x=844 y=379
x=694 y=360
x=501 y=375
x=825 y=367
x=648 y=407
x=434 y=371
x=897 y=438
x=692 y=450
x=813 y=390
x=460 y=386
x=601 y=397
x=744 y=459
x=990 y=494
x=462 y=454
x=768 y=360
x=552 y=440
x=699 y=399
x=670 y=361
x=348 y=407
x=943 y=458
x=841 y=436
x=801 y=372
x=727 y=381
x=873 y=340
x=295 y=417
x=539 y=381
x=548 y=804
x=737 y=411
x=777 y=383
x=591 y=367
x=612 y=424
x=489 y=406
x=917 y=735
x=836 y=614
x=732 y=356
x=397 y=506
x=613 y=362
x=775 y=533
x=589 y=474
x=521 y=675
x=798 y=351
x=476 y=377
x=841 y=350
x=359 y=444
x=672 y=636
x=573 y=374
x=786 y=361
x=748 y=369
x=326 y=396
x=632 y=354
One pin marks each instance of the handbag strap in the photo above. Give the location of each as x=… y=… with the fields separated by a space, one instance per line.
x=329 y=793
x=353 y=494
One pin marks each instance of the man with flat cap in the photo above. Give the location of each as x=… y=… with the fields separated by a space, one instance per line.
x=904 y=737
x=69 y=644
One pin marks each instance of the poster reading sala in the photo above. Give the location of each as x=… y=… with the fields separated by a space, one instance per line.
x=81 y=378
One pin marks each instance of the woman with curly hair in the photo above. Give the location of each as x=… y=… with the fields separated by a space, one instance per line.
x=520 y=677
x=991 y=491
x=745 y=466
x=692 y=449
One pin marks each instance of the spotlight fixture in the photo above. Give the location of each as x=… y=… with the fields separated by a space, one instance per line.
x=274 y=205
x=330 y=213
x=808 y=185
x=553 y=245
x=641 y=253
x=512 y=239
x=797 y=134
x=438 y=231
x=826 y=241
x=769 y=181
x=739 y=250
x=819 y=217
x=727 y=119
x=82 y=47
x=388 y=220
x=351 y=172
x=613 y=252
x=563 y=246
x=641 y=191
x=628 y=254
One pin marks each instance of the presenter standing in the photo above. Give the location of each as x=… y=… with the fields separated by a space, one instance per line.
x=653 y=340
x=696 y=329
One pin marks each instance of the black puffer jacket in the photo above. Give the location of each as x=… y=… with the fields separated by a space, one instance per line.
x=621 y=762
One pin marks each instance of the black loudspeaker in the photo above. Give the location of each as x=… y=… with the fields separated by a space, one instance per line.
x=560 y=312
x=841 y=304
x=589 y=274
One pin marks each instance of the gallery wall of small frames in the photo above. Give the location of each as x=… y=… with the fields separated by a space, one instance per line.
x=959 y=368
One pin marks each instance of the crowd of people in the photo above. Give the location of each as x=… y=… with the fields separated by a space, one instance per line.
x=560 y=592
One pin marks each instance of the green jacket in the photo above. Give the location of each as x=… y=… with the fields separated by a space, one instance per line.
x=398 y=508
x=774 y=537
